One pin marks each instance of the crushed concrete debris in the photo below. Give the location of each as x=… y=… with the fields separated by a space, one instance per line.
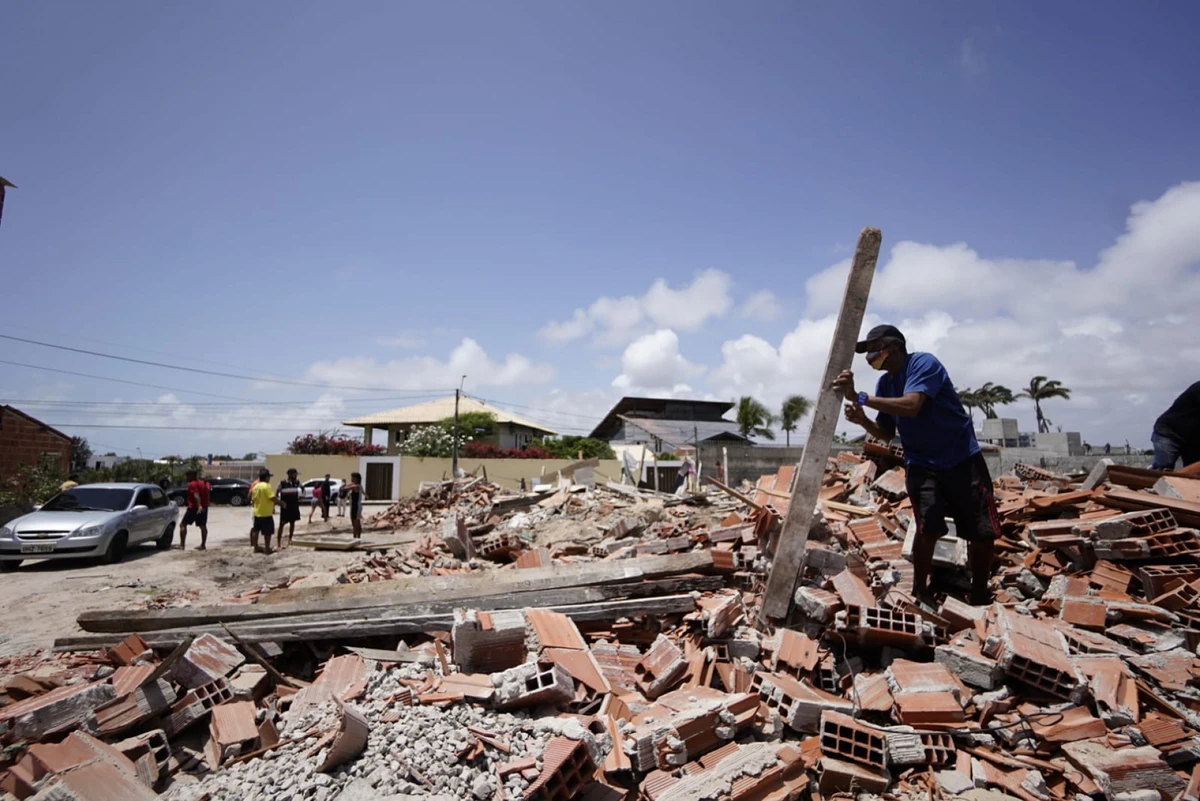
x=600 y=643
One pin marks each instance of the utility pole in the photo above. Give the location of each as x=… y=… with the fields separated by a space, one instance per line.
x=454 y=453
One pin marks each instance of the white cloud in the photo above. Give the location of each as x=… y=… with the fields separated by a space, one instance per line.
x=1116 y=332
x=616 y=321
x=405 y=341
x=653 y=363
x=971 y=57
x=426 y=372
x=762 y=306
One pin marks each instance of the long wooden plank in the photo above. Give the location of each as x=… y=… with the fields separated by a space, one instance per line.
x=777 y=600
x=460 y=590
x=1186 y=512
x=383 y=622
x=732 y=493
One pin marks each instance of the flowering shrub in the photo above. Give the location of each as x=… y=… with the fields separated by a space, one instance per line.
x=431 y=441
x=325 y=444
x=483 y=450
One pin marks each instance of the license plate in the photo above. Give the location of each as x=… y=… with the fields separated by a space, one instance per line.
x=38 y=547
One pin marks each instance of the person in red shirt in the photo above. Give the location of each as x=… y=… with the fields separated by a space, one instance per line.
x=197 y=510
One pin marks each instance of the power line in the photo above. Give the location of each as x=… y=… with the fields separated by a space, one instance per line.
x=219 y=374
x=56 y=403
x=124 y=381
x=174 y=428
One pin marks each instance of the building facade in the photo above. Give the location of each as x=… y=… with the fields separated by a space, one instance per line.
x=25 y=440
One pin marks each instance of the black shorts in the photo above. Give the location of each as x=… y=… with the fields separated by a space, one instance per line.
x=264 y=525
x=962 y=493
x=289 y=514
x=197 y=516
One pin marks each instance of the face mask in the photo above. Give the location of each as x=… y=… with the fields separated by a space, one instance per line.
x=876 y=359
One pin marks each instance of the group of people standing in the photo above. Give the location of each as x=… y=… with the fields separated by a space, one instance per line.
x=263 y=501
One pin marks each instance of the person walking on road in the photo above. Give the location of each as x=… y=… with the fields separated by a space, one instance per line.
x=341 y=496
x=945 y=472
x=197 y=510
x=326 y=491
x=355 y=495
x=289 y=506
x=263 y=501
x=1177 y=431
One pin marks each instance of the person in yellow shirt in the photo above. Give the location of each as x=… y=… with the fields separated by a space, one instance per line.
x=71 y=482
x=263 y=501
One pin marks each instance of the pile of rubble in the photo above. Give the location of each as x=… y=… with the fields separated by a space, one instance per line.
x=638 y=668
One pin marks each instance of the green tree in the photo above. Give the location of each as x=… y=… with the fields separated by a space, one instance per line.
x=249 y=457
x=32 y=483
x=570 y=447
x=969 y=398
x=1041 y=388
x=794 y=408
x=992 y=395
x=472 y=425
x=753 y=419
x=81 y=454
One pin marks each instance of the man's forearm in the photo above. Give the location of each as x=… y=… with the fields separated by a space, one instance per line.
x=907 y=406
x=877 y=431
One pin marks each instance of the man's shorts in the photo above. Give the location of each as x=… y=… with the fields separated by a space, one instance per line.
x=289 y=514
x=264 y=525
x=196 y=516
x=962 y=493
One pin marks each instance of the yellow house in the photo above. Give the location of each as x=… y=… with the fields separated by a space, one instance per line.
x=511 y=431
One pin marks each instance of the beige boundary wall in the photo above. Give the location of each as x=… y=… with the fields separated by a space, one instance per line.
x=311 y=467
x=505 y=472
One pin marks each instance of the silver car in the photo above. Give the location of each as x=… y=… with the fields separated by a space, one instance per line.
x=90 y=521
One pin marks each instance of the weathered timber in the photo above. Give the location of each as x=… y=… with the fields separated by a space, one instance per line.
x=460 y=590
x=380 y=622
x=789 y=554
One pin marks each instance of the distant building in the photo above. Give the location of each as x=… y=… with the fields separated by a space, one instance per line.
x=107 y=460
x=667 y=424
x=511 y=431
x=25 y=440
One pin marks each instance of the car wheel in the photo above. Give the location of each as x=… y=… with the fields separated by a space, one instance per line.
x=10 y=567
x=164 y=542
x=236 y=500
x=116 y=548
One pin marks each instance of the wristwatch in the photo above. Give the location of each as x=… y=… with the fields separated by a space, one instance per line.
x=861 y=400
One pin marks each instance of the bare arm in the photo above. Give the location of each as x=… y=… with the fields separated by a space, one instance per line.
x=855 y=414
x=908 y=405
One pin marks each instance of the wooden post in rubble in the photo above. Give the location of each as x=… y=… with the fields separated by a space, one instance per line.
x=789 y=554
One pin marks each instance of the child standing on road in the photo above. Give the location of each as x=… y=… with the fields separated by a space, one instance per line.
x=315 y=503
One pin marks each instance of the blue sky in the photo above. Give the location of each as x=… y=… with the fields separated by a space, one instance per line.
x=391 y=194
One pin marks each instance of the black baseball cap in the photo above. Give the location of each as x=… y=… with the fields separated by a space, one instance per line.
x=264 y=474
x=877 y=333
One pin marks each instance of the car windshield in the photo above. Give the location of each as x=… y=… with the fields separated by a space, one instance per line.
x=90 y=499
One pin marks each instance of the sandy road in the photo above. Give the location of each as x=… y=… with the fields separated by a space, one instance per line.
x=41 y=600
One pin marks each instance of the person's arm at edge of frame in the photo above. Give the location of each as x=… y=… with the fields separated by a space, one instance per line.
x=880 y=430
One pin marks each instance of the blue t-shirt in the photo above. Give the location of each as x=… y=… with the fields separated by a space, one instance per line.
x=941 y=435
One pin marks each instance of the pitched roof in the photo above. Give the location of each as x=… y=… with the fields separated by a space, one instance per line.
x=685 y=432
x=437 y=410
x=661 y=409
x=36 y=422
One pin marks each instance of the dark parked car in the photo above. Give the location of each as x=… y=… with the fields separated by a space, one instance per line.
x=233 y=491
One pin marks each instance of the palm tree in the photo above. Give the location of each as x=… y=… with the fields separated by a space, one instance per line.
x=1041 y=388
x=992 y=395
x=793 y=409
x=969 y=398
x=753 y=419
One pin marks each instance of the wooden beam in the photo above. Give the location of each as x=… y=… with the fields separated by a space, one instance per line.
x=495 y=590
x=733 y=493
x=381 y=622
x=789 y=554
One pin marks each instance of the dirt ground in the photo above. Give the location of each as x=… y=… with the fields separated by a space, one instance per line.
x=41 y=600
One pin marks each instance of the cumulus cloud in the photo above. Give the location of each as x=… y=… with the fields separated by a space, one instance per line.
x=1116 y=332
x=762 y=306
x=653 y=363
x=427 y=372
x=616 y=321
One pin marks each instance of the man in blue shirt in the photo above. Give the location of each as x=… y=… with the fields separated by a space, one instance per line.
x=944 y=468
